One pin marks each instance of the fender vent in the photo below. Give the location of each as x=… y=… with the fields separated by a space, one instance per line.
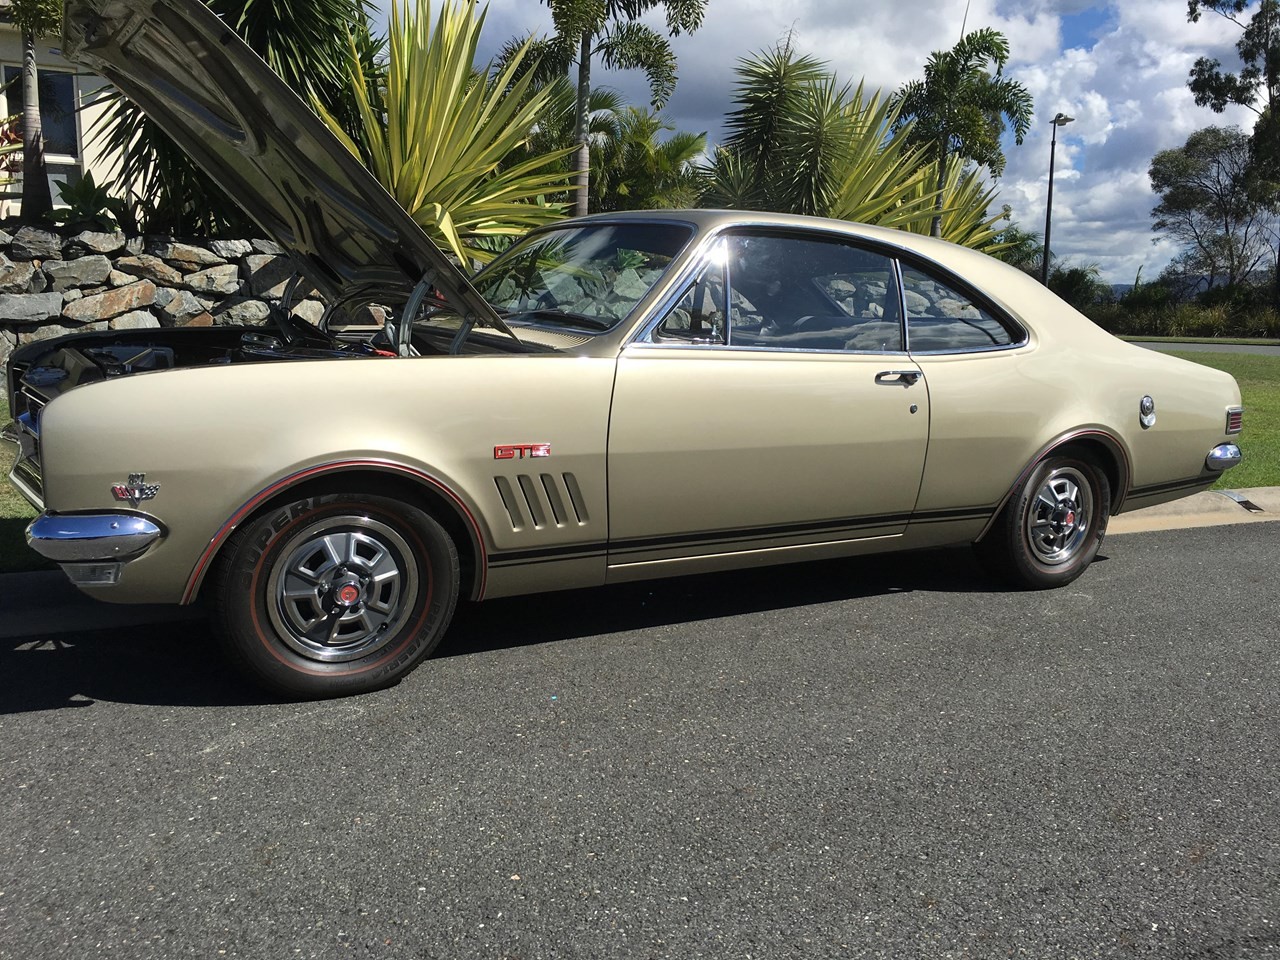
x=542 y=501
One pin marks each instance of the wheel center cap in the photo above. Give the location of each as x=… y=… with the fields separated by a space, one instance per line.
x=347 y=594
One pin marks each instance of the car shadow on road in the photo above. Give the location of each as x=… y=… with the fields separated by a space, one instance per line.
x=169 y=664
x=549 y=617
x=178 y=664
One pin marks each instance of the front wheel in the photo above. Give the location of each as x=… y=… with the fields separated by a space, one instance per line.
x=335 y=594
x=1050 y=531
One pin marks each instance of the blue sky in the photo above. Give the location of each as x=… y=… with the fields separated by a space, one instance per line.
x=1118 y=68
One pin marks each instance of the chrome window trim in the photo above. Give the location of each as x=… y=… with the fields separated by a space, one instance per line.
x=983 y=302
x=699 y=262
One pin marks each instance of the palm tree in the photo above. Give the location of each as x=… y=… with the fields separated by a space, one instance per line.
x=800 y=142
x=34 y=18
x=610 y=30
x=305 y=41
x=960 y=108
x=438 y=133
x=965 y=201
x=637 y=171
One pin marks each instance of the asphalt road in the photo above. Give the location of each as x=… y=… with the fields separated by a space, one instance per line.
x=877 y=758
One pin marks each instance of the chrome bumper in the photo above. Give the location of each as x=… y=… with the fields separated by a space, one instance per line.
x=1223 y=457
x=91 y=537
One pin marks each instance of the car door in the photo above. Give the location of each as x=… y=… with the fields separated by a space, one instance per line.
x=981 y=421
x=771 y=406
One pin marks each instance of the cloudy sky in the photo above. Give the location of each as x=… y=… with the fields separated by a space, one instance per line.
x=1119 y=68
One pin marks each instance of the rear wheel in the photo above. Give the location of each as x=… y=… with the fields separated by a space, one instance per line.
x=336 y=594
x=1051 y=529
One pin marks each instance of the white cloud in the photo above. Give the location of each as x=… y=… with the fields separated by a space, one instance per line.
x=1126 y=87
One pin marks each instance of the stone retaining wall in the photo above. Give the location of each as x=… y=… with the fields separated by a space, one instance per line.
x=53 y=283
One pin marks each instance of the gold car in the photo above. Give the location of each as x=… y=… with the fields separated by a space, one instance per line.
x=616 y=398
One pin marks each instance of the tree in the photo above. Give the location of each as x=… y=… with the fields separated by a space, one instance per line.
x=610 y=29
x=960 y=108
x=1256 y=86
x=1207 y=206
x=437 y=133
x=307 y=42
x=800 y=142
x=35 y=19
x=637 y=171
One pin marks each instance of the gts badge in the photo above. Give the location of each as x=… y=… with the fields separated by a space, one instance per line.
x=136 y=490
x=518 y=451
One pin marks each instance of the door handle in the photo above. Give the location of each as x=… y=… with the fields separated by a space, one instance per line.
x=896 y=378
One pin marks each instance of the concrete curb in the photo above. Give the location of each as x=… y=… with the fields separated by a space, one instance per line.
x=1209 y=509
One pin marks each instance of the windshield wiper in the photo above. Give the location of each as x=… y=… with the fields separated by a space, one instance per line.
x=563 y=316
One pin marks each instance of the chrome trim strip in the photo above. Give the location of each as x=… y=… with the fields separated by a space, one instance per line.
x=1223 y=457
x=90 y=537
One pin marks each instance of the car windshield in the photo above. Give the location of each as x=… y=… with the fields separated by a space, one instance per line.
x=587 y=276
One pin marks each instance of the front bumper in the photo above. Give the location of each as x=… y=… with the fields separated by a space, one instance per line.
x=92 y=547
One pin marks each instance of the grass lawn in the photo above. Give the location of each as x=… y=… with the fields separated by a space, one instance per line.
x=1258 y=376
x=1259 y=379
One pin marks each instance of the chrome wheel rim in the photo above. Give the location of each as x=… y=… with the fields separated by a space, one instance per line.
x=1058 y=519
x=342 y=588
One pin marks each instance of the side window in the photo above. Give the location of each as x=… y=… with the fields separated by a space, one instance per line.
x=698 y=316
x=942 y=319
x=799 y=293
x=57 y=108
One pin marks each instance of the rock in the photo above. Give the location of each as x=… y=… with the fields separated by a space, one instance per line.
x=178 y=308
x=30 y=307
x=231 y=249
x=269 y=275
x=136 y=320
x=32 y=243
x=48 y=331
x=91 y=242
x=310 y=311
x=629 y=285
x=21 y=277
x=134 y=246
x=150 y=268
x=73 y=294
x=268 y=247
x=8 y=341
x=957 y=309
x=82 y=272
x=200 y=320
x=917 y=306
x=5 y=238
x=184 y=256
x=241 y=310
x=117 y=278
x=112 y=303
x=223 y=280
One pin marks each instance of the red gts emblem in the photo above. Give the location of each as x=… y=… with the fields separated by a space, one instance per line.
x=518 y=451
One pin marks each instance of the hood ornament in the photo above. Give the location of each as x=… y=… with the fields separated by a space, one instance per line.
x=136 y=490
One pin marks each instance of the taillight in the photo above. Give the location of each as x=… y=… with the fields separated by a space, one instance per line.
x=1235 y=419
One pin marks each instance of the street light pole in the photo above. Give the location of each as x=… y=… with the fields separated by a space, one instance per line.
x=1059 y=120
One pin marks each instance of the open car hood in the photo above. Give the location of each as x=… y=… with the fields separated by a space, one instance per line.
x=239 y=121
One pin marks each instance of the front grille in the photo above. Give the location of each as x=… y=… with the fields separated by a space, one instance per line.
x=1235 y=419
x=24 y=431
